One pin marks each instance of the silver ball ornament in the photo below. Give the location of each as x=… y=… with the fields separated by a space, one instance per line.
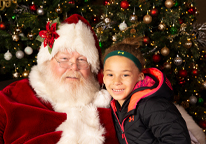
x=15 y=37
x=15 y=74
x=40 y=11
x=193 y=100
x=28 y=50
x=7 y=55
x=178 y=60
x=161 y=26
x=133 y=18
x=107 y=20
x=19 y=54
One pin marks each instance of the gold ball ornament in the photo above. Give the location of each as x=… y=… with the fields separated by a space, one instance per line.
x=169 y=3
x=161 y=26
x=167 y=65
x=165 y=51
x=15 y=37
x=133 y=31
x=58 y=9
x=188 y=44
x=30 y=36
x=25 y=73
x=204 y=84
x=147 y=19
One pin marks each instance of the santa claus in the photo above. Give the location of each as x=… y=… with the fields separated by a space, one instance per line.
x=61 y=101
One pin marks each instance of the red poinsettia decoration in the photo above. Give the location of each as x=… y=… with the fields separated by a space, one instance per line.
x=49 y=34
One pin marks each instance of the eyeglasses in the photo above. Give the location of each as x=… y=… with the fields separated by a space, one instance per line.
x=81 y=64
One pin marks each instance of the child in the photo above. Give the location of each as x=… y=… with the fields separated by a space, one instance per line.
x=143 y=112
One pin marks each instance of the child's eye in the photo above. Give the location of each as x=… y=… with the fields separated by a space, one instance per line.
x=125 y=75
x=110 y=75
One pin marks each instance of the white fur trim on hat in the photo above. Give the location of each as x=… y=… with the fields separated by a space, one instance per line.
x=73 y=37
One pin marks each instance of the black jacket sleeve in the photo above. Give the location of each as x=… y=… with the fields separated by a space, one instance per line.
x=165 y=122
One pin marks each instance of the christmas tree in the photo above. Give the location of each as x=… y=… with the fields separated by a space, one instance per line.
x=172 y=41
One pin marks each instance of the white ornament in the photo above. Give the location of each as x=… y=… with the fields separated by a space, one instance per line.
x=122 y=26
x=19 y=54
x=28 y=50
x=7 y=55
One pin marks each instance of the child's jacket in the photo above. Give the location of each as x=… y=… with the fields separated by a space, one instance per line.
x=148 y=116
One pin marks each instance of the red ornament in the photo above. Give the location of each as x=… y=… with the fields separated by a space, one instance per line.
x=202 y=124
x=71 y=2
x=180 y=21
x=49 y=34
x=195 y=72
x=106 y=2
x=146 y=40
x=33 y=7
x=154 y=12
x=182 y=73
x=156 y=58
x=124 y=4
x=191 y=10
x=181 y=81
x=2 y=26
x=205 y=56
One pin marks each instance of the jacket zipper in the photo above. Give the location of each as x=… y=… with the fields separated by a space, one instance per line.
x=121 y=126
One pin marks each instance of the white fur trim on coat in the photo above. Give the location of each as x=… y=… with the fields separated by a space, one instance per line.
x=73 y=37
x=193 y=128
x=102 y=99
x=82 y=126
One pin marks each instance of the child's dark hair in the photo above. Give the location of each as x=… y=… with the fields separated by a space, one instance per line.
x=131 y=45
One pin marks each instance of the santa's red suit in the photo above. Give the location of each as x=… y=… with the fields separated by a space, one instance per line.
x=26 y=118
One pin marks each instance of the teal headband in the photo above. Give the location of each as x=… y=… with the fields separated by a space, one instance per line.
x=125 y=54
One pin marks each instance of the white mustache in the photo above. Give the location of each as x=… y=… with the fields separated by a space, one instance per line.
x=72 y=75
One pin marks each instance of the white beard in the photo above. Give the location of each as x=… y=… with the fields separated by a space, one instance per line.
x=75 y=93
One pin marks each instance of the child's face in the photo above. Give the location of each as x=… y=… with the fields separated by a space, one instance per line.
x=120 y=77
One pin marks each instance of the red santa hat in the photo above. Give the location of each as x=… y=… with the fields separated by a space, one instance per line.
x=74 y=34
